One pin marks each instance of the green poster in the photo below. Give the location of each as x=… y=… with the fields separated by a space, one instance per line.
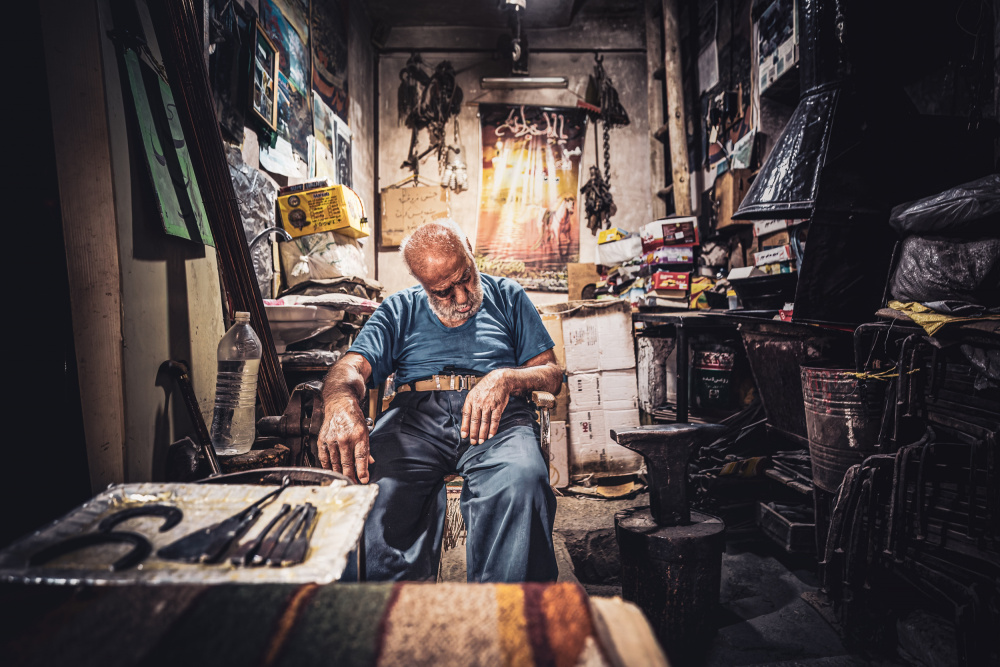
x=177 y=194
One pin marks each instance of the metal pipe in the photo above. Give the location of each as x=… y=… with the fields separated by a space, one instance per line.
x=279 y=230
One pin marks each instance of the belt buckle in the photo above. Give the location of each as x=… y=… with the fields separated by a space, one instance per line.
x=463 y=382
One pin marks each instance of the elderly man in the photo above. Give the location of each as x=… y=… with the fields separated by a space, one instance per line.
x=466 y=349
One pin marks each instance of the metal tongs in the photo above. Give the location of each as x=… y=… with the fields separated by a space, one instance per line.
x=208 y=545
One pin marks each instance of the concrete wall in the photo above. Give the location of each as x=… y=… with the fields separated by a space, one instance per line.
x=553 y=53
x=361 y=115
x=171 y=300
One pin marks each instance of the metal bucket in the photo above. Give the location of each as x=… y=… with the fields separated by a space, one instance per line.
x=842 y=428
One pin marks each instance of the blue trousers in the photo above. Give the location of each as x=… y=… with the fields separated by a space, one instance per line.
x=506 y=502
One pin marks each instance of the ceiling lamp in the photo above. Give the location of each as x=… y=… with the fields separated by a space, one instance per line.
x=512 y=82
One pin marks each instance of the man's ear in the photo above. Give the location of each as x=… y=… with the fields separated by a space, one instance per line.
x=469 y=243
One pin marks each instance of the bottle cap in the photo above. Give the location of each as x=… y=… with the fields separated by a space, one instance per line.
x=241 y=316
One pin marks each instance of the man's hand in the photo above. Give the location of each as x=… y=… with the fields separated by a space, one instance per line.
x=486 y=401
x=343 y=441
x=484 y=406
x=343 y=438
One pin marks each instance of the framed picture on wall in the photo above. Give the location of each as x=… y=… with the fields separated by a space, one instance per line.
x=264 y=73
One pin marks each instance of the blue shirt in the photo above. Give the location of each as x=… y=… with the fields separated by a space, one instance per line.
x=404 y=336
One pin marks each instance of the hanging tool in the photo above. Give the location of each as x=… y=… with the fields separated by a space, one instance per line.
x=270 y=543
x=244 y=555
x=296 y=551
x=278 y=553
x=209 y=544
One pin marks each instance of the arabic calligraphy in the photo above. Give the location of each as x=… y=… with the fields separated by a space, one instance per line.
x=517 y=126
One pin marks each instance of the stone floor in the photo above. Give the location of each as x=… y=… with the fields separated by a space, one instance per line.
x=764 y=615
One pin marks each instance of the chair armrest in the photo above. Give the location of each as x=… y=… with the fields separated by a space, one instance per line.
x=543 y=399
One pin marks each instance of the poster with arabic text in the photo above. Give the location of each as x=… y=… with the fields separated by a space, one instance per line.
x=528 y=225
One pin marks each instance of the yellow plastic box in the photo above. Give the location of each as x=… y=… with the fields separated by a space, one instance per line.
x=336 y=208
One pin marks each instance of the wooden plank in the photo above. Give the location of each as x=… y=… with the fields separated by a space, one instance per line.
x=654 y=104
x=71 y=38
x=675 y=109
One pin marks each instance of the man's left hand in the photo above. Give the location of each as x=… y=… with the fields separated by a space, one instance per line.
x=484 y=406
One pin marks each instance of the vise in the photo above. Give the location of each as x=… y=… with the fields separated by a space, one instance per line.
x=671 y=556
x=299 y=425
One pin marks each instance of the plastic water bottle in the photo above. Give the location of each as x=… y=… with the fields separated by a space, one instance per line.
x=233 y=423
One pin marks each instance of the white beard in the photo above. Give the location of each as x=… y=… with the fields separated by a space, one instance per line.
x=448 y=311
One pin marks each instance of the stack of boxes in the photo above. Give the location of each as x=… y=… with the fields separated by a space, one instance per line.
x=778 y=244
x=599 y=358
x=668 y=248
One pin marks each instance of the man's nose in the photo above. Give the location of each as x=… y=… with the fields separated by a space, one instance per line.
x=461 y=295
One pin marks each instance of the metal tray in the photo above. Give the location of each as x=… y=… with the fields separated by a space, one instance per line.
x=342 y=509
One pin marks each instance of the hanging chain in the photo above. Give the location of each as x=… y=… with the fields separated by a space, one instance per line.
x=607 y=154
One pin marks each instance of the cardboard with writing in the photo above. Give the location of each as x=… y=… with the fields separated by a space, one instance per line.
x=605 y=390
x=405 y=209
x=591 y=450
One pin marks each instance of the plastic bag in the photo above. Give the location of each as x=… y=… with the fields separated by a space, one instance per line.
x=322 y=255
x=940 y=269
x=970 y=208
x=255 y=194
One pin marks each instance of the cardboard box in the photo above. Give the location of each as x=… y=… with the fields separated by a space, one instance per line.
x=604 y=390
x=553 y=324
x=669 y=281
x=597 y=336
x=665 y=232
x=617 y=252
x=680 y=232
x=660 y=301
x=670 y=255
x=591 y=449
x=332 y=209
x=775 y=239
x=730 y=189
x=558 y=455
x=578 y=277
x=773 y=255
x=611 y=234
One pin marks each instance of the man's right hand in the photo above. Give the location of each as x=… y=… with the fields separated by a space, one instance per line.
x=343 y=439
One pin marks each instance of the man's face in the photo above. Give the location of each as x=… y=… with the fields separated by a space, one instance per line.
x=454 y=289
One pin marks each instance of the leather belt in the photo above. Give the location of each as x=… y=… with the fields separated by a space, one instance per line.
x=441 y=383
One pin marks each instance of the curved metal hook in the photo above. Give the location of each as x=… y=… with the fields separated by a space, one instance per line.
x=171 y=514
x=141 y=548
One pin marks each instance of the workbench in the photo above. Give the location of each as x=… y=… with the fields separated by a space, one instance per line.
x=683 y=324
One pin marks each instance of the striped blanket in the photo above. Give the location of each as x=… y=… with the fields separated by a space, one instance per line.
x=365 y=625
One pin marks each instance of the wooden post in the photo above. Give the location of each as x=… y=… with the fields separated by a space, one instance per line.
x=654 y=101
x=676 y=124
x=71 y=35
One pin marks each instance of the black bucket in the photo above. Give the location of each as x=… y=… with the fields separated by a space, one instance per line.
x=842 y=428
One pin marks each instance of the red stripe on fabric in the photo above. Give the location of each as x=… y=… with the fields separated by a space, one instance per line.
x=384 y=624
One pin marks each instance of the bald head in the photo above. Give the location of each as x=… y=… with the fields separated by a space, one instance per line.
x=433 y=245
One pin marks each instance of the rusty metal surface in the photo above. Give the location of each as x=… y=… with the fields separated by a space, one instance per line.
x=775 y=351
x=666 y=449
x=342 y=511
x=673 y=574
x=843 y=425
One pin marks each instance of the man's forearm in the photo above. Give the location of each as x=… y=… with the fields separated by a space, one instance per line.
x=524 y=380
x=345 y=381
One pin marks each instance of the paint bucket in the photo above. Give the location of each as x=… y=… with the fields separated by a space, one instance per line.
x=842 y=428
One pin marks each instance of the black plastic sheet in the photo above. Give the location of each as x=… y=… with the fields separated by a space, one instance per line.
x=948 y=269
x=970 y=208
